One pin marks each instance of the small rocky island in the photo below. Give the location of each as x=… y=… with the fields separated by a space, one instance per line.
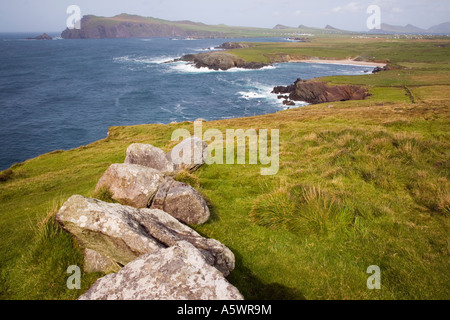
x=220 y=61
x=43 y=36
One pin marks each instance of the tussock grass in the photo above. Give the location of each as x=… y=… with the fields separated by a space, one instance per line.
x=103 y=194
x=5 y=175
x=302 y=209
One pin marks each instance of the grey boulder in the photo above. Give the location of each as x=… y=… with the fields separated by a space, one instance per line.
x=122 y=233
x=176 y=273
x=181 y=201
x=131 y=184
x=149 y=156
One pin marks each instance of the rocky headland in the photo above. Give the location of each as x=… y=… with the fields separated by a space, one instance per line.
x=315 y=92
x=220 y=61
x=133 y=26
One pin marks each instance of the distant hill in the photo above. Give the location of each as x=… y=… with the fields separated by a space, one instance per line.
x=328 y=27
x=134 y=26
x=440 y=28
x=281 y=27
x=443 y=28
x=387 y=28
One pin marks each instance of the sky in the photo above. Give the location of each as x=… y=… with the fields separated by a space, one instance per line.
x=51 y=16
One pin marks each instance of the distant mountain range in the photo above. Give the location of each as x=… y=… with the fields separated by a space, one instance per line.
x=443 y=28
x=134 y=26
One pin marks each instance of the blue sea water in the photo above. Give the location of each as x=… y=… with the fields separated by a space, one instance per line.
x=61 y=94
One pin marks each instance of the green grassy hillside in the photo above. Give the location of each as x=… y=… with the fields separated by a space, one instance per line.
x=361 y=183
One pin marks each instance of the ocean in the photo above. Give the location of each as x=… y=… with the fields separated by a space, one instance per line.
x=61 y=94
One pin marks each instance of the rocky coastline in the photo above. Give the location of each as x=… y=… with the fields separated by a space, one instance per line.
x=315 y=92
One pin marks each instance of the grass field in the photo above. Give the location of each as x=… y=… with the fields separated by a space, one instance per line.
x=361 y=183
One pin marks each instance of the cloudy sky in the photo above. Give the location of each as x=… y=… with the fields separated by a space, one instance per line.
x=50 y=15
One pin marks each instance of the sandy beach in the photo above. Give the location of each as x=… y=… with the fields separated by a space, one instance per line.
x=344 y=62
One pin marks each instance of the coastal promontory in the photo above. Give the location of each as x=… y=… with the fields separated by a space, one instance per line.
x=220 y=61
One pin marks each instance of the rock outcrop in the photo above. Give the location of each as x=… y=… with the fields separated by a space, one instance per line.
x=176 y=273
x=155 y=255
x=43 y=36
x=315 y=92
x=181 y=201
x=234 y=45
x=220 y=61
x=131 y=184
x=149 y=156
x=120 y=233
x=190 y=154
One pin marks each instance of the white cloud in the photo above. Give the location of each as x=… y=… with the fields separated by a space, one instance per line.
x=351 y=7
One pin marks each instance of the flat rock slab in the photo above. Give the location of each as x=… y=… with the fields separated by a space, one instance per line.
x=131 y=184
x=176 y=273
x=122 y=233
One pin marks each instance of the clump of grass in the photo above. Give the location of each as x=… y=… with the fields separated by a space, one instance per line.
x=103 y=194
x=40 y=272
x=302 y=209
x=433 y=193
x=48 y=227
x=187 y=177
x=273 y=210
x=6 y=175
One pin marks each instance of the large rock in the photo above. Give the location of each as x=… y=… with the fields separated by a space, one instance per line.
x=122 y=233
x=189 y=154
x=149 y=156
x=176 y=273
x=181 y=201
x=109 y=229
x=131 y=184
x=318 y=92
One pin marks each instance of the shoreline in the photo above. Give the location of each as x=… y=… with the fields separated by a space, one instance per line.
x=342 y=62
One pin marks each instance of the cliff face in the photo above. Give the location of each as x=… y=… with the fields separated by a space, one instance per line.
x=318 y=92
x=126 y=26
